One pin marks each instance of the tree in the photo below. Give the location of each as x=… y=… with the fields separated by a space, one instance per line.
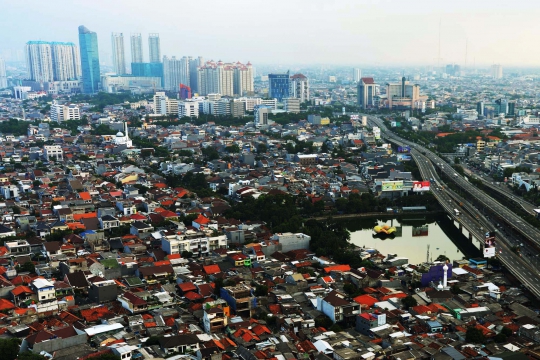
x=323 y=321
x=261 y=149
x=409 y=301
x=152 y=340
x=234 y=148
x=9 y=348
x=442 y=258
x=474 y=335
x=335 y=328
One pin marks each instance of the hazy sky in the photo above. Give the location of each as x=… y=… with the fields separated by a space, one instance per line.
x=348 y=32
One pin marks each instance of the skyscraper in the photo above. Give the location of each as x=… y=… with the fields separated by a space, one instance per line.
x=88 y=45
x=154 y=47
x=299 y=87
x=357 y=75
x=496 y=71
x=118 y=52
x=227 y=79
x=366 y=92
x=136 y=48
x=66 y=61
x=402 y=95
x=39 y=62
x=175 y=72
x=3 y=76
x=278 y=86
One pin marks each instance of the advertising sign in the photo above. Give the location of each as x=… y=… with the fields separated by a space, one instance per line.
x=404 y=149
x=421 y=186
x=403 y=157
x=420 y=230
x=489 y=245
x=355 y=117
x=392 y=185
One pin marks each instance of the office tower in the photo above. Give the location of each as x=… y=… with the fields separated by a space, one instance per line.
x=175 y=72
x=118 y=51
x=496 y=71
x=278 y=86
x=154 y=47
x=292 y=105
x=193 y=66
x=261 y=115
x=480 y=108
x=243 y=79
x=88 y=46
x=357 y=75
x=66 y=61
x=39 y=62
x=163 y=105
x=136 y=48
x=366 y=92
x=449 y=69
x=402 y=95
x=299 y=87
x=501 y=107
x=3 y=75
x=511 y=105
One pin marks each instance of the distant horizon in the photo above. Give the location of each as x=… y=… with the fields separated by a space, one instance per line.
x=312 y=33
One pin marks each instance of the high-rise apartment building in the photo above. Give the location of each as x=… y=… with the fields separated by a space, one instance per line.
x=154 y=48
x=299 y=87
x=357 y=75
x=402 y=95
x=243 y=79
x=3 y=75
x=278 y=86
x=366 y=92
x=52 y=61
x=66 y=61
x=227 y=79
x=163 y=105
x=88 y=45
x=136 y=48
x=175 y=72
x=118 y=52
x=39 y=63
x=496 y=71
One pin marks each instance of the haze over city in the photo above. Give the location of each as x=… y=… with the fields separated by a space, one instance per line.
x=294 y=32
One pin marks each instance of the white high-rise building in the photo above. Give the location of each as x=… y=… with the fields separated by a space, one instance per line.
x=357 y=75
x=496 y=71
x=188 y=108
x=39 y=63
x=63 y=112
x=3 y=75
x=299 y=87
x=136 y=48
x=175 y=72
x=118 y=52
x=163 y=105
x=154 y=48
x=66 y=61
x=227 y=79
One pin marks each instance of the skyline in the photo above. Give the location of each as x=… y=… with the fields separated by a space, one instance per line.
x=360 y=33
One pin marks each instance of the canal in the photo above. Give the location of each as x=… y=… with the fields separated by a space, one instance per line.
x=412 y=236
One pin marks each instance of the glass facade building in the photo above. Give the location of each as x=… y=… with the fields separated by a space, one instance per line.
x=88 y=45
x=148 y=70
x=278 y=86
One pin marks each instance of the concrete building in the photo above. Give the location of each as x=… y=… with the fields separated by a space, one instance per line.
x=3 y=75
x=188 y=108
x=90 y=70
x=496 y=71
x=136 y=48
x=154 y=48
x=114 y=83
x=290 y=241
x=118 y=53
x=261 y=115
x=66 y=61
x=175 y=72
x=53 y=152
x=357 y=75
x=278 y=86
x=39 y=63
x=240 y=299
x=227 y=79
x=299 y=87
x=63 y=112
x=366 y=93
x=292 y=105
x=402 y=95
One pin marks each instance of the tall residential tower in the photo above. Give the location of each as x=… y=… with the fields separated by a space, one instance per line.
x=39 y=63
x=3 y=76
x=136 y=48
x=118 y=52
x=154 y=47
x=88 y=45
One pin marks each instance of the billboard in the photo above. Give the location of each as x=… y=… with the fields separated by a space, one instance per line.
x=420 y=186
x=420 y=230
x=392 y=185
x=403 y=157
x=404 y=149
x=489 y=245
x=355 y=117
